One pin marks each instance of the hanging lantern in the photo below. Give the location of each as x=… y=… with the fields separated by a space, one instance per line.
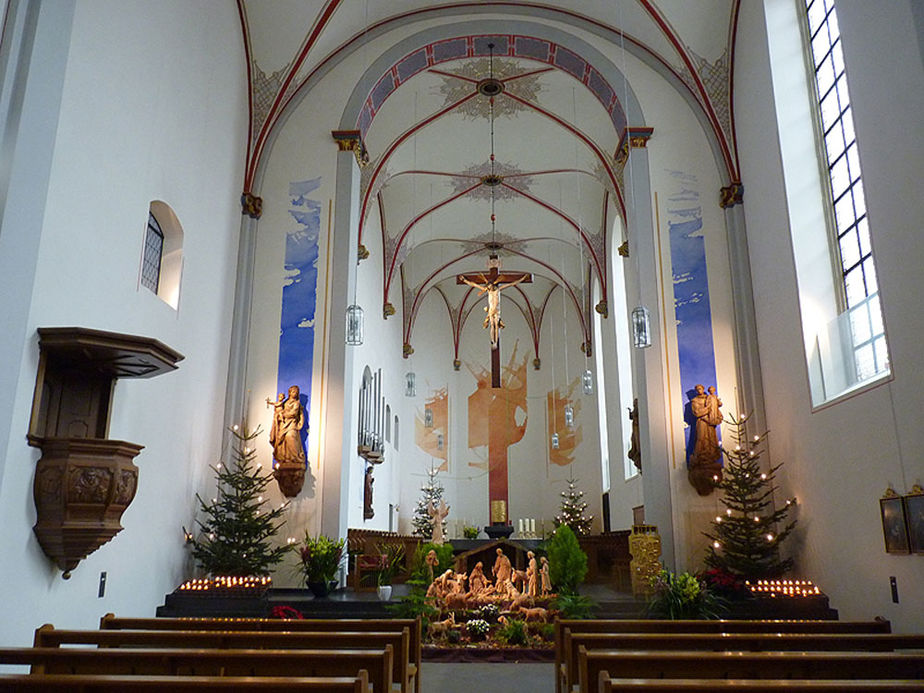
x=428 y=417
x=641 y=327
x=587 y=382
x=354 y=325
x=555 y=441
x=410 y=384
x=569 y=416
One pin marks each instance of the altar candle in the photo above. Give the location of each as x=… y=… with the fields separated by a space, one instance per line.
x=520 y=525
x=532 y=525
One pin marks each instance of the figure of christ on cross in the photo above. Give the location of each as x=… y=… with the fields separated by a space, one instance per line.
x=492 y=283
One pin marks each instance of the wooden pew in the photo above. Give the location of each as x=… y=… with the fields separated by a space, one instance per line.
x=566 y=659
x=733 y=642
x=608 y=685
x=112 y=622
x=680 y=664
x=103 y=683
x=188 y=662
x=48 y=636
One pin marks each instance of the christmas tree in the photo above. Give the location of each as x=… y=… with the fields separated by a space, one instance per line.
x=572 y=510
x=431 y=492
x=235 y=535
x=746 y=537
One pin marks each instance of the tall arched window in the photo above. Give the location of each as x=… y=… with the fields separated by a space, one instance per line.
x=162 y=256
x=842 y=325
x=852 y=247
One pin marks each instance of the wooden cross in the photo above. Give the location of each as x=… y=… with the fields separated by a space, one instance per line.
x=492 y=283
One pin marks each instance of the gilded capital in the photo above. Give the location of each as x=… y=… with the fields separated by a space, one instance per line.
x=731 y=195
x=251 y=205
x=351 y=141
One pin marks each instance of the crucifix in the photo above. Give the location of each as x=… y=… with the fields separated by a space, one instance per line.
x=492 y=283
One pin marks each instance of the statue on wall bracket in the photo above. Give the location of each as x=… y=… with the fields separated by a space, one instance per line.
x=368 y=511
x=289 y=461
x=704 y=467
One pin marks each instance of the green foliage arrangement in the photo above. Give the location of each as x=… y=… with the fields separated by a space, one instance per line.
x=236 y=532
x=574 y=606
x=419 y=572
x=683 y=596
x=470 y=532
x=413 y=605
x=513 y=633
x=567 y=563
x=320 y=557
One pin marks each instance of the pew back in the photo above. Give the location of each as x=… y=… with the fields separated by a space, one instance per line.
x=566 y=657
x=112 y=622
x=191 y=662
x=608 y=685
x=103 y=683
x=746 y=665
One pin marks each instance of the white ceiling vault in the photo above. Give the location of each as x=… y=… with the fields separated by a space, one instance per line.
x=559 y=121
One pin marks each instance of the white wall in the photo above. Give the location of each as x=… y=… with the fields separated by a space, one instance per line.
x=153 y=107
x=839 y=460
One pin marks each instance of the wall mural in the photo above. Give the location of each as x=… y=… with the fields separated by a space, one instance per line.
x=696 y=352
x=431 y=430
x=497 y=419
x=299 y=295
x=569 y=436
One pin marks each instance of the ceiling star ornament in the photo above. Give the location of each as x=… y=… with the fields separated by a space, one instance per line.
x=498 y=243
x=480 y=72
x=504 y=176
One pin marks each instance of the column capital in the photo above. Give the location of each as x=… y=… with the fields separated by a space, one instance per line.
x=632 y=138
x=351 y=141
x=731 y=195
x=251 y=205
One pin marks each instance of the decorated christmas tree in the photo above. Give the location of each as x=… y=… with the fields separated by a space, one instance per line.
x=746 y=537
x=431 y=492
x=236 y=532
x=572 y=510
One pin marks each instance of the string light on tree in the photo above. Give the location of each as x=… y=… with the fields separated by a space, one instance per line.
x=745 y=542
x=431 y=492
x=236 y=533
x=572 y=510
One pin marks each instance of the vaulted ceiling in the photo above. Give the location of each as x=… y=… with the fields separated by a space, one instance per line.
x=557 y=121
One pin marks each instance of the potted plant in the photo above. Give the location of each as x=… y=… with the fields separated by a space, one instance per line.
x=683 y=596
x=320 y=559
x=392 y=558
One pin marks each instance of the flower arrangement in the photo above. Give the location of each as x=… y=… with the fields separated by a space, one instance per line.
x=725 y=584
x=682 y=595
x=477 y=627
x=392 y=558
x=489 y=612
x=320 y=558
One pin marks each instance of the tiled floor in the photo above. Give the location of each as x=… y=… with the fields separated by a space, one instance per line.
x=477 y=677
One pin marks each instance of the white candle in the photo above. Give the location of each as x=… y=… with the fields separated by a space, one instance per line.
x=532 y=525
x=520 y=525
